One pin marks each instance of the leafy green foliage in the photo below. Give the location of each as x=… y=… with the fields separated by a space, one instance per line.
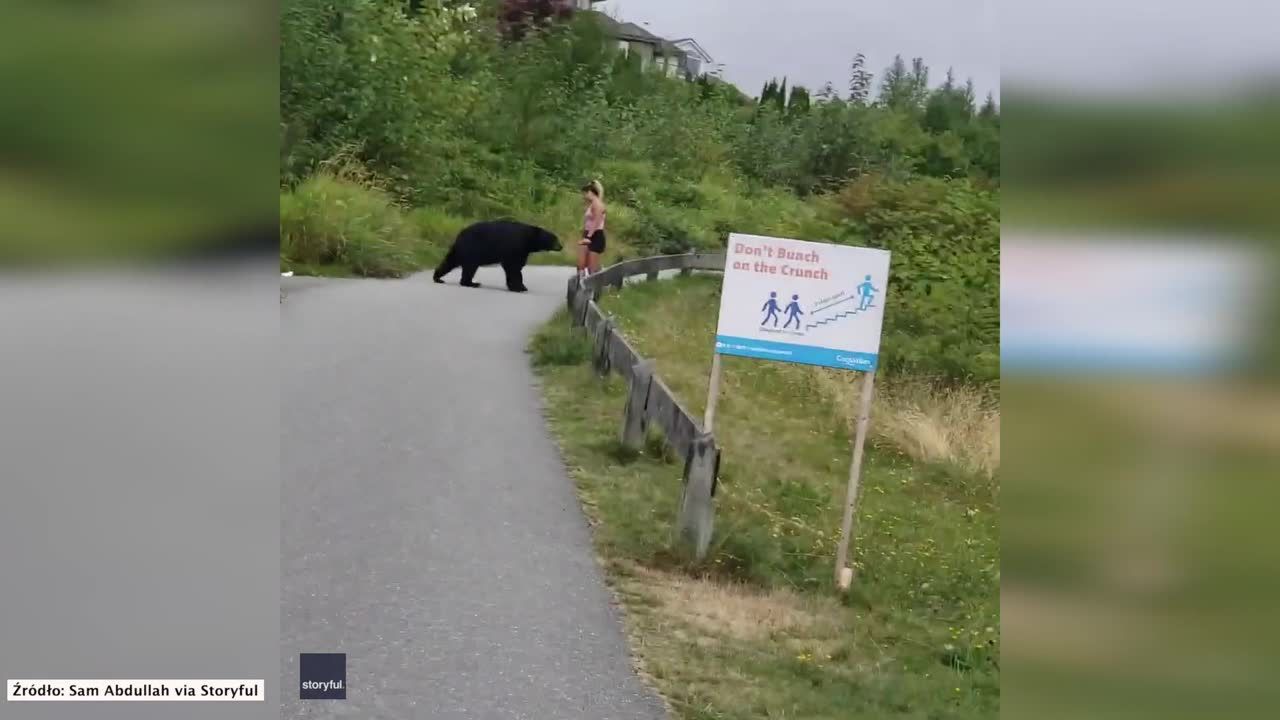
x=943 y=316
x=368 y=74
x=333 y=220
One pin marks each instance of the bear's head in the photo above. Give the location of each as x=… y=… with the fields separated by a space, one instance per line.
x=541 y=240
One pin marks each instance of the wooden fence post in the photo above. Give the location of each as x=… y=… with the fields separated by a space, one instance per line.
x=633 y=424
x=651 y=276
x=697 y=511
x=572 y=292
x=581 y=305
x=600 y=350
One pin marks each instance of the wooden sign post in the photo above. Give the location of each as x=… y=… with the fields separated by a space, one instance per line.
x=713 y=396
x=844 y=573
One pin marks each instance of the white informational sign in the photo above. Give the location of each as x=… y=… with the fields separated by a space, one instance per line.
x=802 y=302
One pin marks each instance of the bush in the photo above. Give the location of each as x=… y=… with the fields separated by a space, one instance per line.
x=369 y=74
x=943 y=313
x=662 y=231
x=379 y=255
x=680 y=194
x=435 y=226
x=330 y=219
x=627 y=182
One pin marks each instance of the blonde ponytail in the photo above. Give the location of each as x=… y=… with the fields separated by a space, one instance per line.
x=595 y=187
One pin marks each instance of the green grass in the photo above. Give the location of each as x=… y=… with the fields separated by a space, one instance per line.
x=335 y=221
x=757 y=629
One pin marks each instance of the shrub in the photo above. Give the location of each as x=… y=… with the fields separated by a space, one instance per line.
x=628 y=182
x=331 y=219
x=680 y=194
x=662 y=231
x=435 y=226
x=368 y=73
x=943 y=312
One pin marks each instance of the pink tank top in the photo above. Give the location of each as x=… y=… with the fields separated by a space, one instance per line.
x=593 y=220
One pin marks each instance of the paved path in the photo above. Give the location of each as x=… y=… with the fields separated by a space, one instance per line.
x=429 y=529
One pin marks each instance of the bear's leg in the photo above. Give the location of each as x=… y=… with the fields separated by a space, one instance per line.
x=468 y=276
x=446 y=266
x=515 y=279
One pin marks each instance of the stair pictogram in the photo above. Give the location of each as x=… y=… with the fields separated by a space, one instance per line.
x=831 y=319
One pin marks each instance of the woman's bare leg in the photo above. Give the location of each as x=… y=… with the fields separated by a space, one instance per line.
x=594 y=263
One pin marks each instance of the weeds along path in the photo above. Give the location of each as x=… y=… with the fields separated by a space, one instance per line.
x=428 y=528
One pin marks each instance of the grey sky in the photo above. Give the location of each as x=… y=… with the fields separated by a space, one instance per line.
x=812 y=42
x=1138 y=46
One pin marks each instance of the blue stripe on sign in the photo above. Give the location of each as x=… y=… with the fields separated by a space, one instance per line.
x=786 y=352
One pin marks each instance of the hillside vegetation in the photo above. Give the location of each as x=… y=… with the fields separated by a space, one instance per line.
x=404 y=121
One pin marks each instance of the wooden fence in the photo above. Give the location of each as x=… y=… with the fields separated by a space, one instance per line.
x=650 y=403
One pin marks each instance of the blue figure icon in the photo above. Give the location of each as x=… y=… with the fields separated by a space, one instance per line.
x=772 y=306
x=868 y=292
x=793 y=312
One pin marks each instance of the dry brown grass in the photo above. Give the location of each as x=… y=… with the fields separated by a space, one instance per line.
x=345 y=164
x=926 y=421
x=738 y=611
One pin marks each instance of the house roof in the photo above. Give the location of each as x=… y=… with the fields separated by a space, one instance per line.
x=634 y=33
x=691 y=46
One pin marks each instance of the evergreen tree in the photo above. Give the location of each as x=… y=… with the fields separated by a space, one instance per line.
x=859 y=81
x=895 y=87
x=903 y=88
x=769 y=95
x=798 y=103
x=989 y=110
x=919 y=82
x=949 y=108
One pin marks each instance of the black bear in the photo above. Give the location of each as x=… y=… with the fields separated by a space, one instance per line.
x=498 y=242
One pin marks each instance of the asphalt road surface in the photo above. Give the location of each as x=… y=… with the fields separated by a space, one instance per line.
x=429 y=529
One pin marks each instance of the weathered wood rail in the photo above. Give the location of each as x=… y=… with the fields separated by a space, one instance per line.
x=650 y=403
